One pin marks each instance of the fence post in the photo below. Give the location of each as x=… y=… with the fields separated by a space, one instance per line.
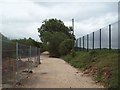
x=29 y=59
x=109 y=37
x=36 y=56
x=93 y=40
x=83 y=42
x=17 y=64
x=100 y=39
x=80 y=43
x=76 y=43
x=39 y=55
x=87 y=42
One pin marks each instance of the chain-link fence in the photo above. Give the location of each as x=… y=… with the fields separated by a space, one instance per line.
x=18 y=60
x=105 y=38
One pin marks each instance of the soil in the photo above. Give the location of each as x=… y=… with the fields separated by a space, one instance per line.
x=56 y=73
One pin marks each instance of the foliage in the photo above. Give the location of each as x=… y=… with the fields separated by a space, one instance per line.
x=53 y=45
x=29 y=41
x=52 y=33
x=53 y=25
x=66 y=46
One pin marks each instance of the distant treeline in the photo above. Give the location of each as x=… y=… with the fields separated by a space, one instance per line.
x=24 y=41
x=28 y=41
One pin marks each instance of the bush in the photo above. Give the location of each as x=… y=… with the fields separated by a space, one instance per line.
x=55 y=40
x=66 y=47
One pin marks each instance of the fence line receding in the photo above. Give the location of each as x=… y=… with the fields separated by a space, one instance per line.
x=104 y=38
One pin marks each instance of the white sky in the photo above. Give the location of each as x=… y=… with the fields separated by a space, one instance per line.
x=21 y=18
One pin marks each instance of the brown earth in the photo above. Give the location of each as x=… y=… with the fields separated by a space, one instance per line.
x=56 y=73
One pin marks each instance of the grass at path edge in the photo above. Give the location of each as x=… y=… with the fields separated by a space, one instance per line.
x=102 y=65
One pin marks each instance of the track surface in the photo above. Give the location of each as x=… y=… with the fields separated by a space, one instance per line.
x=56 y=73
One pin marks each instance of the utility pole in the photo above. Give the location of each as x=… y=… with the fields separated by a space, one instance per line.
x=73 y=25
x=73 y=32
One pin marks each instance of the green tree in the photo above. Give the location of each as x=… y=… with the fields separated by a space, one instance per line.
x=53 y=25
x=56 y=39
x=52 y=33
x=66 y=47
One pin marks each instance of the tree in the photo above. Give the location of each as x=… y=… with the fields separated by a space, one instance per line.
x=56 y=39
x=52 y=33
x=66 y=47
x=54 y=25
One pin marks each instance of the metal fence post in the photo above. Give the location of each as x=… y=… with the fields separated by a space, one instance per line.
x=76 y=43
x=83 y=42
x=17 y=64
x=29 y=59
x=39 y=55
x=93 y=40
x=87 y=42
x=100 y=39
x=36 y=56
x=109 y=37
x=80 y=43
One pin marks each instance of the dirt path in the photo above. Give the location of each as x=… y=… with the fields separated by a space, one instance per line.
x=56 y=73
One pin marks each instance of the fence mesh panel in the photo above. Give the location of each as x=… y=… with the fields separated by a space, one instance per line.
x=81 y=43
x=22 y=61
x=78 y=42
x=8 y=63
x=105 y=38
x=17 y=62
x=97 y=39
x=114 y=36
x=91 y=41
x=85 y=42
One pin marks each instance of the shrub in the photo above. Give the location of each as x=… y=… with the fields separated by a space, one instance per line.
x=55 y=40
x=66 y=47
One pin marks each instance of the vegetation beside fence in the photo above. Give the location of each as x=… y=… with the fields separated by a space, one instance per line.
x=102 y=65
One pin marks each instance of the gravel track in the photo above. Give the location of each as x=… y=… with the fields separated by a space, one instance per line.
x=56 y=73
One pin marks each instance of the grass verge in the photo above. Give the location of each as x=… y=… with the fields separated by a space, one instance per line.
x=102 y=65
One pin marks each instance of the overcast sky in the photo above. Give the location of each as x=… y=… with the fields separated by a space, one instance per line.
x=21 y=18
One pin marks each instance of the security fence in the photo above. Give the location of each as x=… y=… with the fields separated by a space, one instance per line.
x=104 y=38
x=18 y=60
x=0 y=62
